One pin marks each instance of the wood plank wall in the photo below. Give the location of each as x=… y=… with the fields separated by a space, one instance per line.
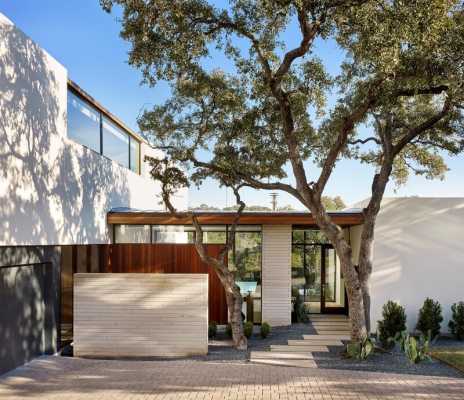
x=140 y=315
x=277 y=278
x=143 y=258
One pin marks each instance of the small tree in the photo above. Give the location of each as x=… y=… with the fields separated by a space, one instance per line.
x=430 y=318
x=456 y=324
x=394 y=321
x=172 y=178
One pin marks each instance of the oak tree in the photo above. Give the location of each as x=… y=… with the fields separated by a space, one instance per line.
x=266 y=118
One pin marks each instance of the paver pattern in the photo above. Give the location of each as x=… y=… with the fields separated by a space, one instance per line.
x=60 y=378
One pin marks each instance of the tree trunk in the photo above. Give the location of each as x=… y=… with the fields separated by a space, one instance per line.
x=353 y=285
x=365 y=268
x=234 y=305
x=354 y=291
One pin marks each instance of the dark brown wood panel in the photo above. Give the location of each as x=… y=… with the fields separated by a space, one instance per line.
x=220 y=218
x=166 y=258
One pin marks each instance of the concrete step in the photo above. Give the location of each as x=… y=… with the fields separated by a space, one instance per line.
x=276 y=355
x=335 y=323
x=326 y=331
x=318 y=317
x=286 y=363
x=332 y=327
x=325 y=342
x=282 y=348
x=333 y=336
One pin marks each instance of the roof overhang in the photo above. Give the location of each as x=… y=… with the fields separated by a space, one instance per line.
x=342 y=218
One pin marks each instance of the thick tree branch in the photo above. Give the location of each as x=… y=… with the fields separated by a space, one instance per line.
x=421 y=128
x=364 y=141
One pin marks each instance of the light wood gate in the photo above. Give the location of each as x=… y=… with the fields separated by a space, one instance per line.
x=140 y=315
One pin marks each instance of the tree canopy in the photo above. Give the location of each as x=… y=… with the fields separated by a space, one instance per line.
x=395 y=104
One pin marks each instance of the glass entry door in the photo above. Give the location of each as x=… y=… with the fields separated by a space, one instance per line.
x=316 y=275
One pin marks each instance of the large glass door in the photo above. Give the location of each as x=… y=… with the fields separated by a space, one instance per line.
x=333 y=298
x=316 y=277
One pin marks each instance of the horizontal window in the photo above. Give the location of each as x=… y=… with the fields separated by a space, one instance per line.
x=172 y=234
x=89 y=127
x=301 y=236
x=115 y=143
x=83 y=123
x=132 y=234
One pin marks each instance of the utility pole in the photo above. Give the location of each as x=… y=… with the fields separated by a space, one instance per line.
x=274 y=201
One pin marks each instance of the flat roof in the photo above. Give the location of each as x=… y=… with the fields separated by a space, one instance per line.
x=129 y=216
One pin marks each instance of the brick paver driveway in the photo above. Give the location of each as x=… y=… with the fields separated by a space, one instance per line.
x=53 y=378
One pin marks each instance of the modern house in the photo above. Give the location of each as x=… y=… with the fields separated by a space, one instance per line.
x=76 y=196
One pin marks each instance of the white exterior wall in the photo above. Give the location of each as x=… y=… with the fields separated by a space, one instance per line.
x=276 y=274
x=53 y=190
x=418 y=253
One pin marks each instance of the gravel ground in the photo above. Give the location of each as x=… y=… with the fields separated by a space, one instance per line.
x=394 y=362
x=221 y=350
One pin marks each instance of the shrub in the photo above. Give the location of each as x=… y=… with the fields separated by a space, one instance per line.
x=212 y=329
x=265 y=329
x=415 y=350
x=360 y=350
x=299 y=310
x=430 y=318
x=229 y=330
x=456 y=324
x=248 y=329
x=394 y=321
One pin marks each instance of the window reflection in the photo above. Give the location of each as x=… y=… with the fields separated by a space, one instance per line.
x=83 y=123
x=115 y=143
x=91 y=128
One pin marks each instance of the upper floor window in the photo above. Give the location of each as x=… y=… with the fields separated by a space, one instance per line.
x=90 y=127
x=83 y=122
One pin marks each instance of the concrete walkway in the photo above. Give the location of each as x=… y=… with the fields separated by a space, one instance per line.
x=60 y=378
x=330 y=331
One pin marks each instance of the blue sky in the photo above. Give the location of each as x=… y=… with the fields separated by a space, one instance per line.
x=86 y=41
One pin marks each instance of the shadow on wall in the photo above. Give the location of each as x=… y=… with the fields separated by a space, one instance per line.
x=418 y=254
x=51 y=190
x=29 y=322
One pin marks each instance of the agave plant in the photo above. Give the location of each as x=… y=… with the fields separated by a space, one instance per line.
x=360 y=350
x=415 y=350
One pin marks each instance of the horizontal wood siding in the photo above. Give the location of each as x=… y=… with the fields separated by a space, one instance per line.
x=128 y=315
x=168 y=259
x=276 y=274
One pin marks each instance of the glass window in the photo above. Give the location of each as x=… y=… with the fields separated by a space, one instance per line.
x=298 y=236
x=134 y=155
x=115 y=143
x=308 y=236
x=173 y=234
x=245 y=261
x=214 y=234
x=132 y=234
x=83 y=122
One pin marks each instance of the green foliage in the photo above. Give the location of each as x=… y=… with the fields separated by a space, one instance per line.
x=333 y=203
x=360 y=350
x=212 y=329
x=415 y=350
x=456 y=324
x=396 y=51
x=265 y=330
x=248 y=329
x=299 y=313
x=229 y=330
x=394 y=321
x=430 y=318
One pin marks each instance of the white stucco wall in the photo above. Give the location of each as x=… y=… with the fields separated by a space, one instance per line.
x=53 y=190
x=418 y=252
